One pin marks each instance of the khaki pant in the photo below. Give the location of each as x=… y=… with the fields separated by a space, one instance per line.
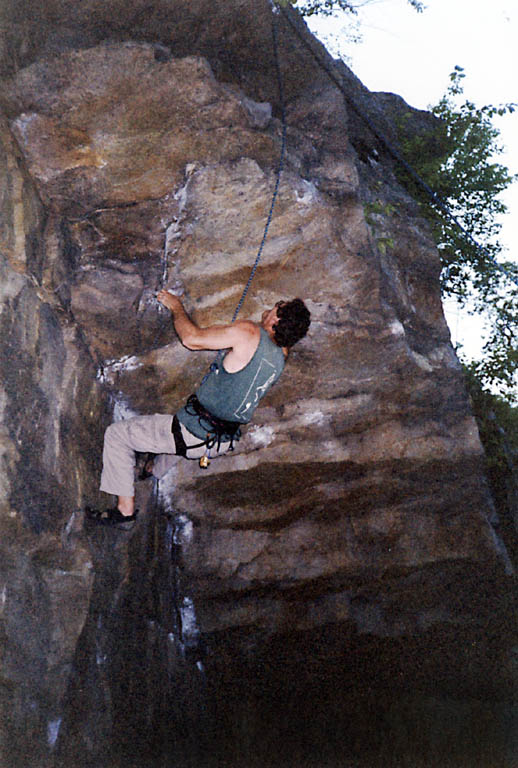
x=145 y=434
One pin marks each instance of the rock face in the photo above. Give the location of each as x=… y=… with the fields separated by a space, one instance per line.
x=139 y=149
x=50 y=412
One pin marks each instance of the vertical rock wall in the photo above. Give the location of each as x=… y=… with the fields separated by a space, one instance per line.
x=139 y=148
x=50 y=415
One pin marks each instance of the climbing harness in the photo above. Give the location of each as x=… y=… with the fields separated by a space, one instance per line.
x=218 y=431
x=438 y=201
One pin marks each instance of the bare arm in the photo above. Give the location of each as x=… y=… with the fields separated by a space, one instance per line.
x=241 y=338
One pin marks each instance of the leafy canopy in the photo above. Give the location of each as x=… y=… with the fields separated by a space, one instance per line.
x=466 y=178
x=498 y=428
x=330 y=7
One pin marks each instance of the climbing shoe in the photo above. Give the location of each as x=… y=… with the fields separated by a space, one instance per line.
x=145 y=467
x=110 y=517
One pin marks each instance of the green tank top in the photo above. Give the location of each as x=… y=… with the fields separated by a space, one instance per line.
x=235 y=396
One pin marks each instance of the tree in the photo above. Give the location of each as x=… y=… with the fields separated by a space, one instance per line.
x=330 y=7
x=498 y=428
x=468 y=181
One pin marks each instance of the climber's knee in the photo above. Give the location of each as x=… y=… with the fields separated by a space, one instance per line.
x=113 y=432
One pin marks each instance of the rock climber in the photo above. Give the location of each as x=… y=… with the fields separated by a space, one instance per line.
x=209 y=423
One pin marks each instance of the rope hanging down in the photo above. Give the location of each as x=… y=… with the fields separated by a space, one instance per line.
x=279 y=167
x=275 y=13
x=391 y=149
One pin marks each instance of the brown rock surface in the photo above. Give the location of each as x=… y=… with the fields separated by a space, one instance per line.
x=355 y=500
x=49 y=404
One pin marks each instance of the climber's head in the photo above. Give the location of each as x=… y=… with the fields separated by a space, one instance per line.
x=287 y=322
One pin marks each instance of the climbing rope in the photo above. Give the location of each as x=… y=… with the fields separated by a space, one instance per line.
x=438 y=201
x=281 y=160
x=280 y=166
x=275 y=13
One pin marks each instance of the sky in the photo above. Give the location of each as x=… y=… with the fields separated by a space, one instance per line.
x=412 y=54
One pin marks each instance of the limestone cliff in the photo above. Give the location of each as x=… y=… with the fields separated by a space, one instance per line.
x=139 y=148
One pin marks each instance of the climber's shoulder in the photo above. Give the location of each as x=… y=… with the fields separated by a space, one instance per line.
x=238 y=335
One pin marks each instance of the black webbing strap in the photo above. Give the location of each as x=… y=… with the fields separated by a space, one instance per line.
x=179 y=442
x=217 y=429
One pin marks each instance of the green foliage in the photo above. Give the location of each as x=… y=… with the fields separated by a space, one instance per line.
x=376 y=214
x=322 y=7
x=330 y=7
x=377 y=208
x=383 y=243
x=462 y=172
x=497 y=421
x=419 y=7
x=500 y=352
x=498 y=428
x=470 y=182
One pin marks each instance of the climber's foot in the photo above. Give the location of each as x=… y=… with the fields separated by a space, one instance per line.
x=111 y=517
x=146 y=470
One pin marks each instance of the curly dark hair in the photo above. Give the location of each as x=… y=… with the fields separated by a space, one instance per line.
x=293 y=322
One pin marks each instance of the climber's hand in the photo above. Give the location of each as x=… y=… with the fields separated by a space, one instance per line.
x=168 y=300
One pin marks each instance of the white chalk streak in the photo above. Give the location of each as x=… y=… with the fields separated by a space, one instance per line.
x=53 y=732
